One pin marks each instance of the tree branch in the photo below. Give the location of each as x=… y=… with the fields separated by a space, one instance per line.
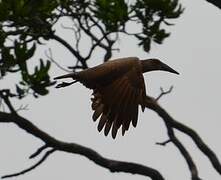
x=49 y=55
x=184 y=152
x=216 y=3
x=32 y=167
x=112 y=165
x=119 y=166
x=164 y=143
x=153 y=105
x=163 y=93
x=5 y=95
x=72 y=50
x=176 y=141
x=39 y=150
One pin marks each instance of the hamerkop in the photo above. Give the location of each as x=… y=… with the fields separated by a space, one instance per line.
x=118 y=89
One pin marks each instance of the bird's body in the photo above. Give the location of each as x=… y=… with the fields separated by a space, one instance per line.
x=118 y=89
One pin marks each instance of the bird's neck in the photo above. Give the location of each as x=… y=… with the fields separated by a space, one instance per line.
x=149 y=65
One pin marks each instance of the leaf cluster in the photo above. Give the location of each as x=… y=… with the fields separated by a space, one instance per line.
x=113 y=14
x=152 y=14
x=24 y=24
x=16 y=60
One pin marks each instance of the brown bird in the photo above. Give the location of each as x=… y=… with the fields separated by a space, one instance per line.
x=118 y=89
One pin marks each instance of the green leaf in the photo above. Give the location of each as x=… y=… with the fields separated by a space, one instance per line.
x=20 y=92
x=113 y=13
x=30 y=52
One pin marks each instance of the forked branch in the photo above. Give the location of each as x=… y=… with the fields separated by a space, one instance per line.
x=32 y=167
x=112 y=165
x=163 y=93
x=172 y=123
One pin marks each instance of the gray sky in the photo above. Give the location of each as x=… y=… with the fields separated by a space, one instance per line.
x=193 y=49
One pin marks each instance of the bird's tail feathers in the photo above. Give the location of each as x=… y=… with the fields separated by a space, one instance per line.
x=65 y=84
x=71 y=75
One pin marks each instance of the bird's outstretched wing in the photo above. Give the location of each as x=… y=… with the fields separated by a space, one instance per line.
x=117 y=103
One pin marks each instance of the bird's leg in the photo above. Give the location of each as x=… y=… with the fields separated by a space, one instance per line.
x=65 y=84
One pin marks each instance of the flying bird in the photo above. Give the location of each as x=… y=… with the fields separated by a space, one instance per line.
x=118 y=89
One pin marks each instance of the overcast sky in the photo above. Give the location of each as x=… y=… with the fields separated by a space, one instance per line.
x=193 y=50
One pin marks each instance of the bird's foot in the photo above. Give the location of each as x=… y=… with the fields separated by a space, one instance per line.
x=65 y=84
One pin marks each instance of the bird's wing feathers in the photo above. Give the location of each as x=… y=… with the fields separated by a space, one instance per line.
x=117 y=103
x=105 y=73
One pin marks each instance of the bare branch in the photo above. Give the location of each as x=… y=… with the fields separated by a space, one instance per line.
x=94 y=46
x=184 y=152
x=90 y=34
x=5 y=117
x=153 y=105
x=178 y=144
x=22 y=108
x=112 y=165
x=32 y=167
x=77 y=32
x=5 y=94
x=39 y=150
x=119 y=166
x=49 y=55
x=2 y=104
x=163 y=143
x=71 y=49
x=164 y=92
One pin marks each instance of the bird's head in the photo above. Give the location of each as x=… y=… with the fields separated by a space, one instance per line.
x=156 y=65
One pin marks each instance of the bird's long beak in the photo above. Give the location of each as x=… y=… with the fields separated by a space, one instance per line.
x=165 y=67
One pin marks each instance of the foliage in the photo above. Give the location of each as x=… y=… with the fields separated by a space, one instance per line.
x=24 y=24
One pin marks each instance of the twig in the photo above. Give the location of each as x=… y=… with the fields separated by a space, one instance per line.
x=39 y=150
x=71 y=49
x=164 y=92
x=22 y=108
x=91 y=35
x=77 y=32
x=2 y=104
x=5 y=94
x=163 y=143
x=32 y=167
x=50 y=57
